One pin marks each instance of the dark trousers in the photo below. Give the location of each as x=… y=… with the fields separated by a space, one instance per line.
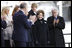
x=50 y=45
x=42 y=45
x=7 y=43
x=23 y=44
x=35 y=44
x=2 y=39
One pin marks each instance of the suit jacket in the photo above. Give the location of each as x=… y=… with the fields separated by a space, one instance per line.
x=21 y=27
x=31 y=12
x=56 y=34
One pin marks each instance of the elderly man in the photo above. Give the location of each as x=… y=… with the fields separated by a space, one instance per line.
x=56 y=24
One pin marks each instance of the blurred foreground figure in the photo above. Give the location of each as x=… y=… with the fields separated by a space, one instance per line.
x=22 y=25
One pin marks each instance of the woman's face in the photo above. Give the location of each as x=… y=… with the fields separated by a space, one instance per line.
x=7 y=11
x=40 y=16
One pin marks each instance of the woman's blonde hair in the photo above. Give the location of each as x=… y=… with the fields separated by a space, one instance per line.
x=4 y=10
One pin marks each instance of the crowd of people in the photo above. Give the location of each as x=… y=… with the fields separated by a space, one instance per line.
x=29 y=29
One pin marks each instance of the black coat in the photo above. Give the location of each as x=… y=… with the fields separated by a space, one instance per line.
x=41 y=31
x=31 y=12
x=56 y=34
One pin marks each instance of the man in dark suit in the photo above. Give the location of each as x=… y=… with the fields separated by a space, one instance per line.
x=3 y=26
x=32 y=13
x=56 y=24
x=21 y=34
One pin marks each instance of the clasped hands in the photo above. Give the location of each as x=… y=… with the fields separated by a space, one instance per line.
x=56 y=21
x=33 y=18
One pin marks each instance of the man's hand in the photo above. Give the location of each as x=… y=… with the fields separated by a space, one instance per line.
x=33 y=18
x=57 y=21
x=54 y=22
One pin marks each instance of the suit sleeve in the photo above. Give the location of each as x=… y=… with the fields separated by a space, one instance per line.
x=50 y=23
x=3 y=24
x=26 y=23
x=61 y=23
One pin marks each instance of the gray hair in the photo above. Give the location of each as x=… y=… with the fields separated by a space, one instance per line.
x=55 y=10
x=23 y=5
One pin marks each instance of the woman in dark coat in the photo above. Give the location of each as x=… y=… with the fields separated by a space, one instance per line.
x=56 y=24
x=41 y=30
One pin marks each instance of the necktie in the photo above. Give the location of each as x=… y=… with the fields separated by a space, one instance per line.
x=55 y=18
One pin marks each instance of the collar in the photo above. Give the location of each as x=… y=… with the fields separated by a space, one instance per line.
x=56 y=17
x=41 y=19
x=22 y=10
x=33 y=11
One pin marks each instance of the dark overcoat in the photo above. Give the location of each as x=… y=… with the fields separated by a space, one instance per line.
x=56 y=34
x=41 y=31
